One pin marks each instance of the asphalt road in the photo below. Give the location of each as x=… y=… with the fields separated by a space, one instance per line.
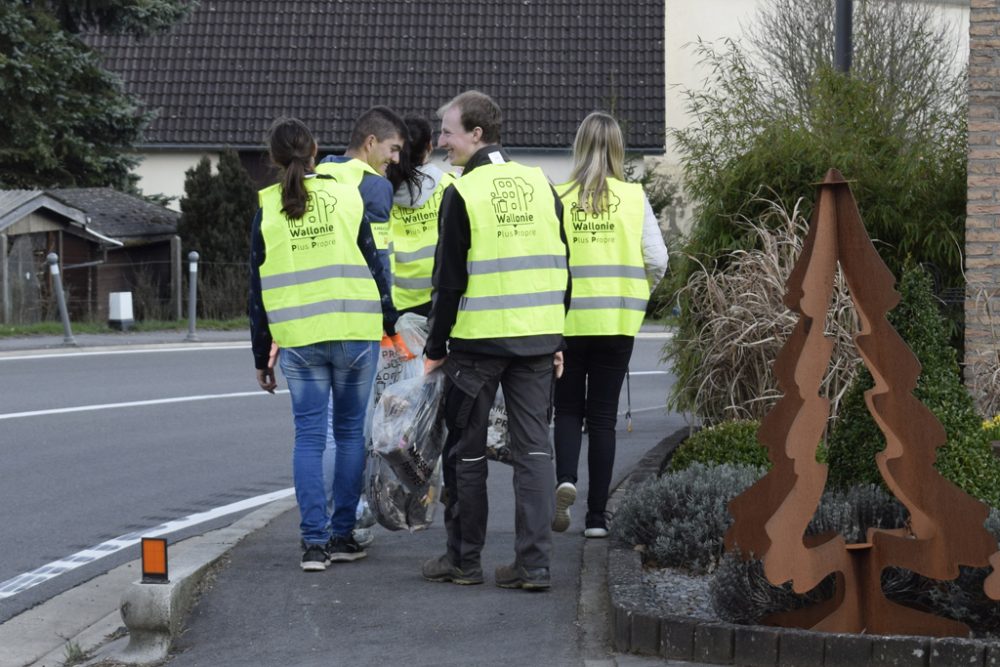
x=70 y=481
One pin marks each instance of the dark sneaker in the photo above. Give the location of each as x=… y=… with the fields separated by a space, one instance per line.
x=565 y=496
x=343 y=549
x=441 y=569
x=530 y=579
x=597 y=525
x=314 y=559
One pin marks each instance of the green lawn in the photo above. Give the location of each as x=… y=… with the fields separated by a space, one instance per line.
x=56 y=329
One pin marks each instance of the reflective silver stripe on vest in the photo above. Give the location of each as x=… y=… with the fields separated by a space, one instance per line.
x=481 y=266
x=512 y=301
x=616 y=302
x=412 y=283
x=279 y=315
x=422 y=253
x=608 y=271
x=312 y=275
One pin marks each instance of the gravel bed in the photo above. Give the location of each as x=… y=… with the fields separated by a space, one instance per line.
x=681 y=593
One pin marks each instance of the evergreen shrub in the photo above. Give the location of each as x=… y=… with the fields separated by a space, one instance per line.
x=734 y=442
x=967 y=458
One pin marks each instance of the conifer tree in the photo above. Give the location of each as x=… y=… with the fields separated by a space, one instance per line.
x=216 y=210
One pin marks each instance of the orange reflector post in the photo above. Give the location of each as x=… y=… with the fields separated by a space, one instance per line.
x=154 y=560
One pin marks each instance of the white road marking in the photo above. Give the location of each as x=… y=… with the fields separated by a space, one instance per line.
x=663 y=335
x=16 y=356
x=133 y=404
x=638 y=373
x=23 y=582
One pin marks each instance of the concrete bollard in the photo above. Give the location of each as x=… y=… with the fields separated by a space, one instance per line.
x=192 y=295
x=53 y=260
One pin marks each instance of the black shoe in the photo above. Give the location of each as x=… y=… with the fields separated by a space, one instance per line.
x=441 y=569
x=597 y=525
x=530 y=579
x=315 y=558
x=344 y=549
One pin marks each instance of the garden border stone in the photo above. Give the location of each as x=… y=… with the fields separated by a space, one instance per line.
x=639 y=626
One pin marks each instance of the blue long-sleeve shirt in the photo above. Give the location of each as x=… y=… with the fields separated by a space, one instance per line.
x=260 y=332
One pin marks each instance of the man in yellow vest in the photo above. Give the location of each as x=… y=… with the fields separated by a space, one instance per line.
x=376 y=139
x=500 y=295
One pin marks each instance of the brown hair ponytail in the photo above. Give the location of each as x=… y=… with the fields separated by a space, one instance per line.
x=292 y=148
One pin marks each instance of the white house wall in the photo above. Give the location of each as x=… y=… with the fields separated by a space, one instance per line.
x=163 y=172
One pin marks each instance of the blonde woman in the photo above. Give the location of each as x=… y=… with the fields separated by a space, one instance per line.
x=617 y=256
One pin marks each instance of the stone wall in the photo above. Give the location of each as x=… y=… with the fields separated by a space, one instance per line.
x=982 y=235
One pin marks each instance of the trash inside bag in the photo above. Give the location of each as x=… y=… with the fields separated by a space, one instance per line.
x=408 y=430
x=396 y=507
x=497 y=435
x=399 y=358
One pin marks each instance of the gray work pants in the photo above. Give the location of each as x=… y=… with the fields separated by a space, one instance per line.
x=470 y=391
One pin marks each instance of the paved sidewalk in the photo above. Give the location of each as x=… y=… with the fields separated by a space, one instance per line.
x=131 y=339
x=262 y=609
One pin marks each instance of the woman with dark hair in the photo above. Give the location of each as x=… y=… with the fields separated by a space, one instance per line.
x=418 y=187
x=617 y=256
x=318 y=291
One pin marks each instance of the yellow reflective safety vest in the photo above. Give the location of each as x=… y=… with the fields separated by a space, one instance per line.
x=351 y=172
x=610 y=290
x=414 y=235
x=516 y=260
x=315 y=283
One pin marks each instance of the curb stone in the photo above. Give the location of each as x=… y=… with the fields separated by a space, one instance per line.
x=638 y=626
x=155 y=613
x=190 y=560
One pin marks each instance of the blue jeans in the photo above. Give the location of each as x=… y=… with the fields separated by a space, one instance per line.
x=347 y=369
x=330 y=461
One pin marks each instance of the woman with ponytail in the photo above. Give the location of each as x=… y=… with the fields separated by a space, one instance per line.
x=418 y=187
x=318 y=291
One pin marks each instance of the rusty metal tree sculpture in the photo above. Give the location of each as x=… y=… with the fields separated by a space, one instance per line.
x=946 y=525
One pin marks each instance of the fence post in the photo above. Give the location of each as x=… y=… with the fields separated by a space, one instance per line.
x=192 y=295
x=176 y=279
x=53 y=260
x=5 y=280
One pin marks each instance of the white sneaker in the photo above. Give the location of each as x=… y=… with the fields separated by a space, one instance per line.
x=597 y=525
x=565 y=496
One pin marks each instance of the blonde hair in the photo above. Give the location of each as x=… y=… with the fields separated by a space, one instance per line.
x=598 y=154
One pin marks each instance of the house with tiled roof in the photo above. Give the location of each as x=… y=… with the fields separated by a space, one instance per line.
x=219 y=77
x=106 y=241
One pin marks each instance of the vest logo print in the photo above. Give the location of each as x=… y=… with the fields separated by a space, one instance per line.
x=414 y=221
x=314 y=229
x=594 y=227
x=510 y=199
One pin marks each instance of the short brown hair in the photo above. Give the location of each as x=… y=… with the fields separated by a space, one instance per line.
x=380 y=121
x=478 y=110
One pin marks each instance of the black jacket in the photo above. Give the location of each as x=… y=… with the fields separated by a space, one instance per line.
x=451 y=277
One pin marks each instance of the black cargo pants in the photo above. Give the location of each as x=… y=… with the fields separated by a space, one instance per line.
x=469 y=393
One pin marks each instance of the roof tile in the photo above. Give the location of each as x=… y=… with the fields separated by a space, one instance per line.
x=219 y=75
